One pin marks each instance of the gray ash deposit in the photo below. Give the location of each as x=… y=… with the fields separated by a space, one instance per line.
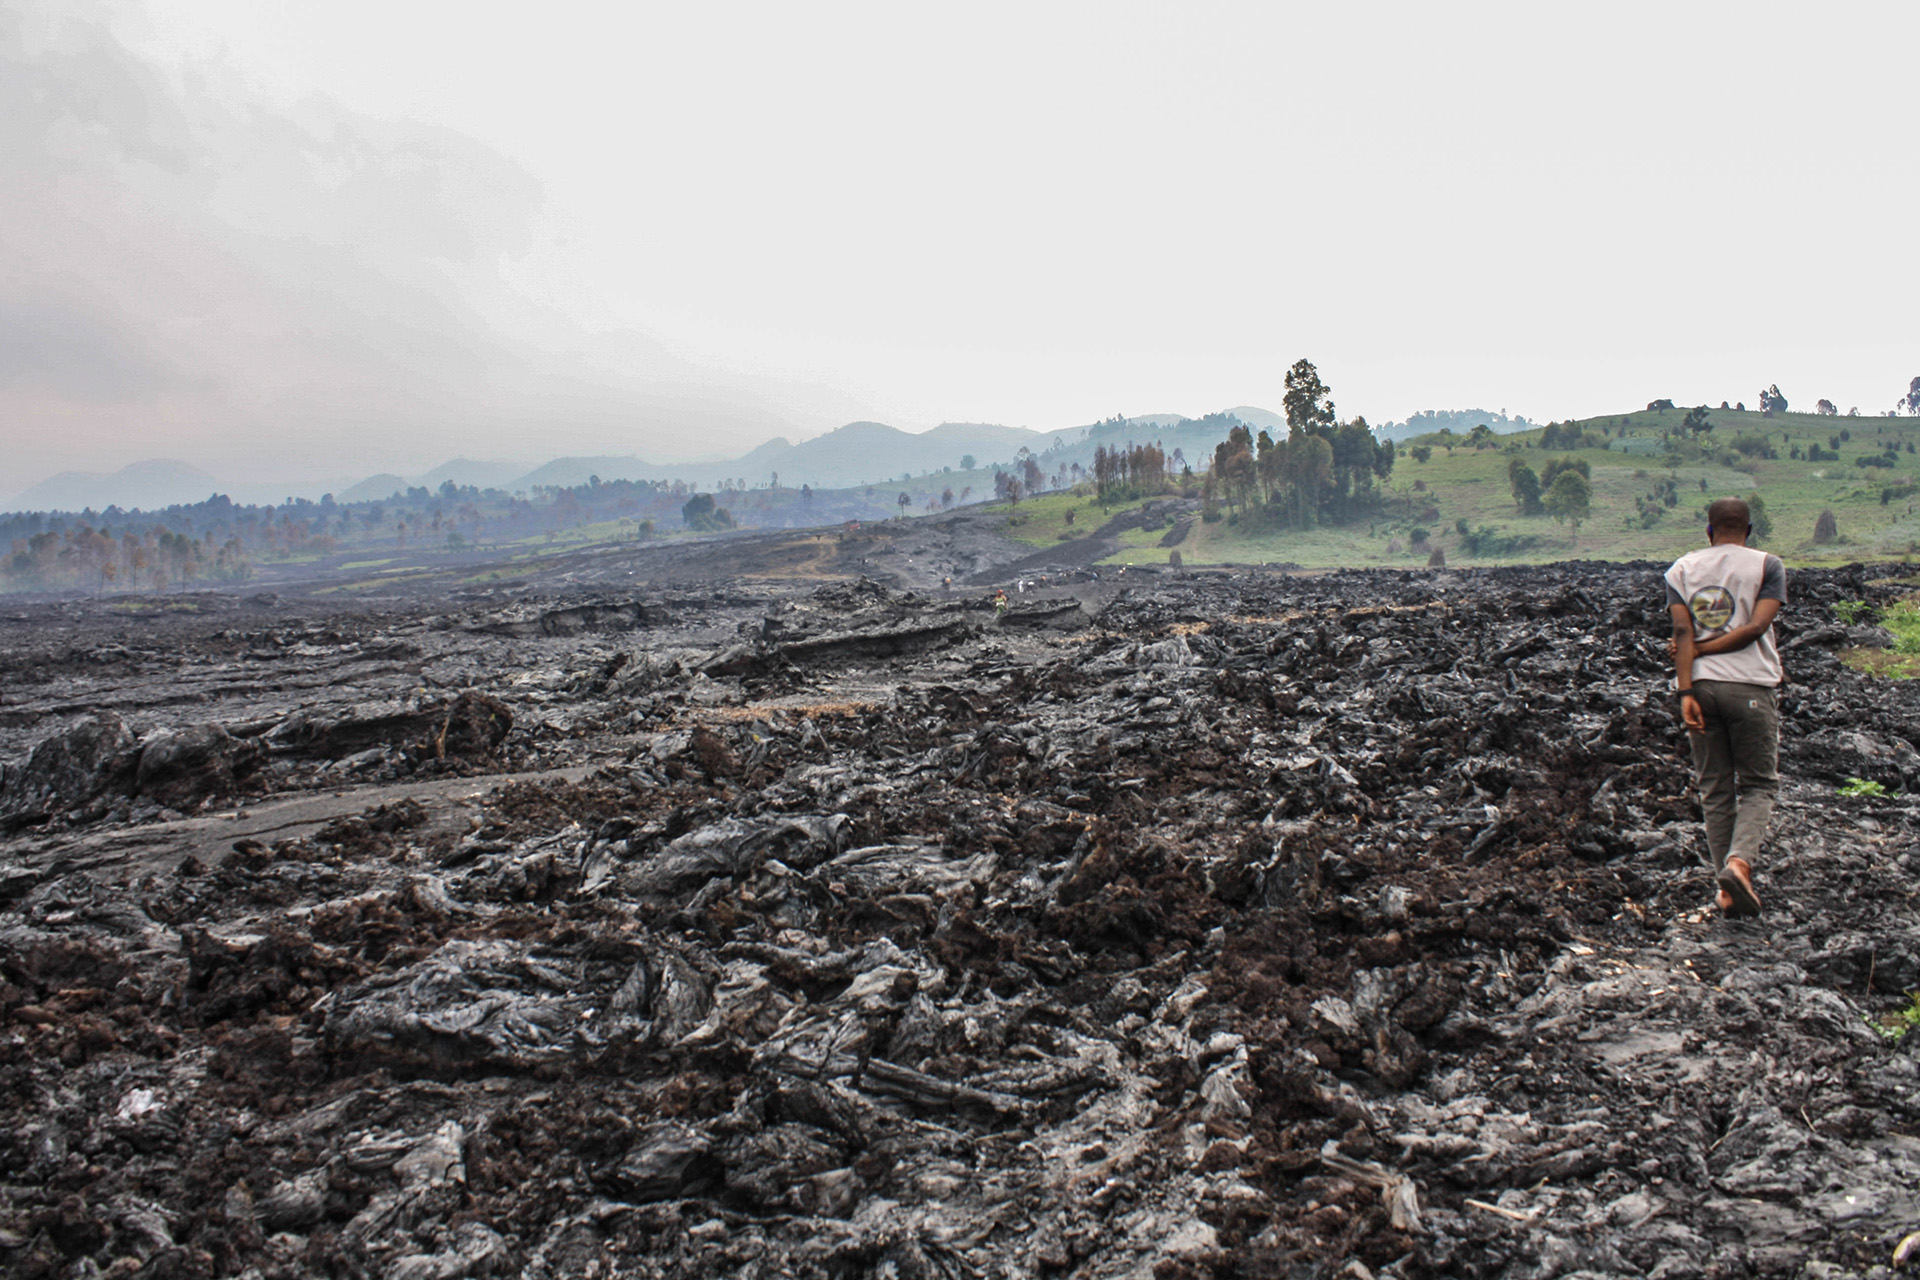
x=1231 y=925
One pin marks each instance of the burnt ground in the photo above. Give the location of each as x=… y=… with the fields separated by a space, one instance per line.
x=1176 y=927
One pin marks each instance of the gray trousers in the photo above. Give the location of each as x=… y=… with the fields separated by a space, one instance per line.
x=1737 y=763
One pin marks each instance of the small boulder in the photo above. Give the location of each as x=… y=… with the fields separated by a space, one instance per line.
x=90 y=762
x=474 y=725
x=184 y=768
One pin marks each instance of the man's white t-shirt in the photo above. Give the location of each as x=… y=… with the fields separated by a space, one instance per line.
x=1721 y=586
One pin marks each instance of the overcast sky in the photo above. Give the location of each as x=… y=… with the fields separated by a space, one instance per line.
x=353 y=236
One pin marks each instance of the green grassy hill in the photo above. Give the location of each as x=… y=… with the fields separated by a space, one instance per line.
x=1646 y=451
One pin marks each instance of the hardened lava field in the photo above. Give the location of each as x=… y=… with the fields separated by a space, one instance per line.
x=1206 y=926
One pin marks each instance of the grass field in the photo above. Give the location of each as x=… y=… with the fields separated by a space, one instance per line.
x=1043 y=521
x=1464 y=483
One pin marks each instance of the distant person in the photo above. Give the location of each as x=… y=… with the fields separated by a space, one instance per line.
x=1723 y=599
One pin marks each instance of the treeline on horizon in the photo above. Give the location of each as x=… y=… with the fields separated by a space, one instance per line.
x=219 y=541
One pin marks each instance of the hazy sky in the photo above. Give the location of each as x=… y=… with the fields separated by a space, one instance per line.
x=260 y=234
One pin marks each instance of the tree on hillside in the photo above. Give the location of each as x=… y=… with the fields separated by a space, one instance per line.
x=1758 y=517
x=1912 y=401
x=1526 y=487
x=1825 y=408
x=1555 y=466
x=1308 y=402
x=904 y=502
x=966 y=462
x=1772 y=402
x=1234 y=469
x=1570 y=499
x=702 y=516
x=1308 y=469
x=1133 y=472
x=1696 y=420
x=1032 y=475
x=1825 y=527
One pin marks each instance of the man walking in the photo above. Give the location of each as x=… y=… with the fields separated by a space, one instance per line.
x=1723 y=599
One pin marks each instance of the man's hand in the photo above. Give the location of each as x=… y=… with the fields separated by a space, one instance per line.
x=1690 y=711
x=1764 y=612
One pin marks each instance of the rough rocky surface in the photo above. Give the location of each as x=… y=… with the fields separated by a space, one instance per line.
x=1212 y=926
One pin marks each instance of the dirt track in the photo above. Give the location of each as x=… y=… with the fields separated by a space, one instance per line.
x=1224 y=926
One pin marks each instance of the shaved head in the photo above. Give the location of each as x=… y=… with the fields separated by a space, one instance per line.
x=1730 y=514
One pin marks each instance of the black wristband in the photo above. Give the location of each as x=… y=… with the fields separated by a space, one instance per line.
x=1688 y=693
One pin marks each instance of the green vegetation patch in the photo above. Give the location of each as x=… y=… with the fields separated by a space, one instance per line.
x=1058 y=517
x=1884 y=663
x=1895 y=1024
x=1900 y=660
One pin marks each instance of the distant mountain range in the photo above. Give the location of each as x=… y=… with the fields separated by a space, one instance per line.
x=150 y=486
x=157 y=482
x=462 y=471
x=860 y=453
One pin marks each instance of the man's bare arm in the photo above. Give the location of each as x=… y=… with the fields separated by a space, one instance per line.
x=1739 y=637
x=1683 y=651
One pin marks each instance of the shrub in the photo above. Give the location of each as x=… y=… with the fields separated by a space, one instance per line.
x=1894 y=1026
x=1551 y=472
x=1825 y=527
x=703 y=516
x=1570 y=498
x=1489 y=541
x=1526 y=487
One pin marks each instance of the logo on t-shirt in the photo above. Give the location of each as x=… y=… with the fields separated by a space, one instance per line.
x=1712 y=608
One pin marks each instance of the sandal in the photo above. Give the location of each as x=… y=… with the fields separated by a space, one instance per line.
x=1736 y=883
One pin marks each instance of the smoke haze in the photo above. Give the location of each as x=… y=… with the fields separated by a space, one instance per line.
x=272 y=239
x=188 y=270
